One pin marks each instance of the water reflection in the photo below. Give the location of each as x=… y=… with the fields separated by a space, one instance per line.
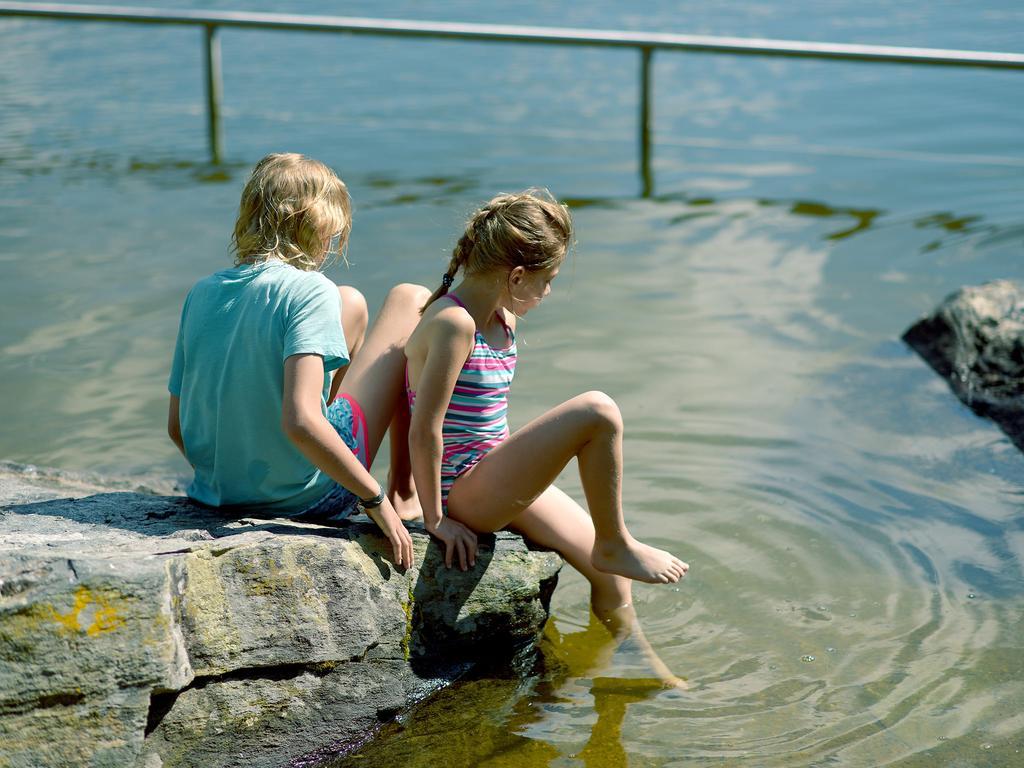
x=598 y=668
x=162 y=172
x=439 y=191
x=837 y=504
x=611 y=697
x=856 y=534
x=498 y=722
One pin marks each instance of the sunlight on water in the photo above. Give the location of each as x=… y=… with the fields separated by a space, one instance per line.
x=855 y=534
x=840 y=511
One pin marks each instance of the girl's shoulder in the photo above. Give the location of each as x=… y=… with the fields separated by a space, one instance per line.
x=444 y=324
x=449 y=319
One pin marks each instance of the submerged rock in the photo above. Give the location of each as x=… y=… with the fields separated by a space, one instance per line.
x=143 y=630
x=975 y=339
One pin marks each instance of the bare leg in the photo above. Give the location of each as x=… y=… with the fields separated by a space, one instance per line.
x=401 y=488
x=498 y=489
x=376 y=376
x=354 y=318
x=555 y=521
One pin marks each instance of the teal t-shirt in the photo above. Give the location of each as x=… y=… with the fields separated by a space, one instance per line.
x=237 y=328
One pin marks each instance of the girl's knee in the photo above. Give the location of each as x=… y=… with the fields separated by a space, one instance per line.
x=354 y=311
x=409 y=293
x=604 y=411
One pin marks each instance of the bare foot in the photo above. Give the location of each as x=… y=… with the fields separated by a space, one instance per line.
x=665 y=675
x=638 y=561
x=621 y=621
x=407 y=504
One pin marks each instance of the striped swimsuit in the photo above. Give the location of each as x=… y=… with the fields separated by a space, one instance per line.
x=477 y=415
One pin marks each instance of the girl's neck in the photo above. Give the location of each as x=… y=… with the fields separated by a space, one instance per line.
x=274 y=258
x=260 y=260
x=482 y=296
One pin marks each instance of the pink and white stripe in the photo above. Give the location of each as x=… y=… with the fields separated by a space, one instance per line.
x=477 y=415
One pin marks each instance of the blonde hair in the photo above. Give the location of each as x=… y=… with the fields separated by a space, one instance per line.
x=528 y=229
x=291 y=208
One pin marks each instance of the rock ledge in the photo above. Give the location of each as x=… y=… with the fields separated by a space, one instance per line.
x=142 y=630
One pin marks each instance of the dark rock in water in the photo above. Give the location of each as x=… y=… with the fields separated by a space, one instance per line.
x=975 y=339
x=143 y=630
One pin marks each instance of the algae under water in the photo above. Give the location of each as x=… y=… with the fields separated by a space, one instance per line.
x=855 y=533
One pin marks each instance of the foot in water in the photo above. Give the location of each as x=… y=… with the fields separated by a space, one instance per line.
x=622 y=623
x=638 y=561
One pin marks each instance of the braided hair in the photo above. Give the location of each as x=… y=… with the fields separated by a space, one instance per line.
x=528 y=229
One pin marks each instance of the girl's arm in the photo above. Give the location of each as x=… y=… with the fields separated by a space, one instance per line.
x=304 y=424
x=174 y=424
x=448 y=338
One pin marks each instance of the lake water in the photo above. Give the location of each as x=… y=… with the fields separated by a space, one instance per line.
x=855 y=534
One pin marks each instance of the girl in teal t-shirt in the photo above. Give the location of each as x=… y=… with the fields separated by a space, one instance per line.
x=269 y=402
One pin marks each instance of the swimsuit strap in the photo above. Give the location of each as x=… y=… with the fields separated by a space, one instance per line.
x=501 y=319
x=456 y=299
x=497 y=313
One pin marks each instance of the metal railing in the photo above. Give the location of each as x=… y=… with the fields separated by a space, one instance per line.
x=643 y=42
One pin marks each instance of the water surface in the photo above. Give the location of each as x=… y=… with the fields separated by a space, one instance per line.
x=855 y=533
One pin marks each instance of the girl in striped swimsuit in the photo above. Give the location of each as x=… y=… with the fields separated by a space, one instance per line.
x=471 y=475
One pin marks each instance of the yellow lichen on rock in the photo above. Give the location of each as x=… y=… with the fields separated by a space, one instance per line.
x=99 y=608
x=300 y=636
x=206 y=614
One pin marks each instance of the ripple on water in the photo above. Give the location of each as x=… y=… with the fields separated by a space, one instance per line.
x=862 y=635
x=835 y=502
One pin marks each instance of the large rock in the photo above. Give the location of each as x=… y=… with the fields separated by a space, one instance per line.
x=143 y=630
x=975 y=339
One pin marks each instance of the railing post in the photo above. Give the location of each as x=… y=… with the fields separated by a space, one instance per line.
x=646 y=175
x=214 y=92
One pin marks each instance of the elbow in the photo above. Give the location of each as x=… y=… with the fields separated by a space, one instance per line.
x=174 y=422
x=293 y=429
x=296 y=426
x=423 y=435
x=174 y=432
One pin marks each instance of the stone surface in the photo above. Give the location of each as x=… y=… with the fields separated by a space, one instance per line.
x=138 y=629
x=975 y=340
